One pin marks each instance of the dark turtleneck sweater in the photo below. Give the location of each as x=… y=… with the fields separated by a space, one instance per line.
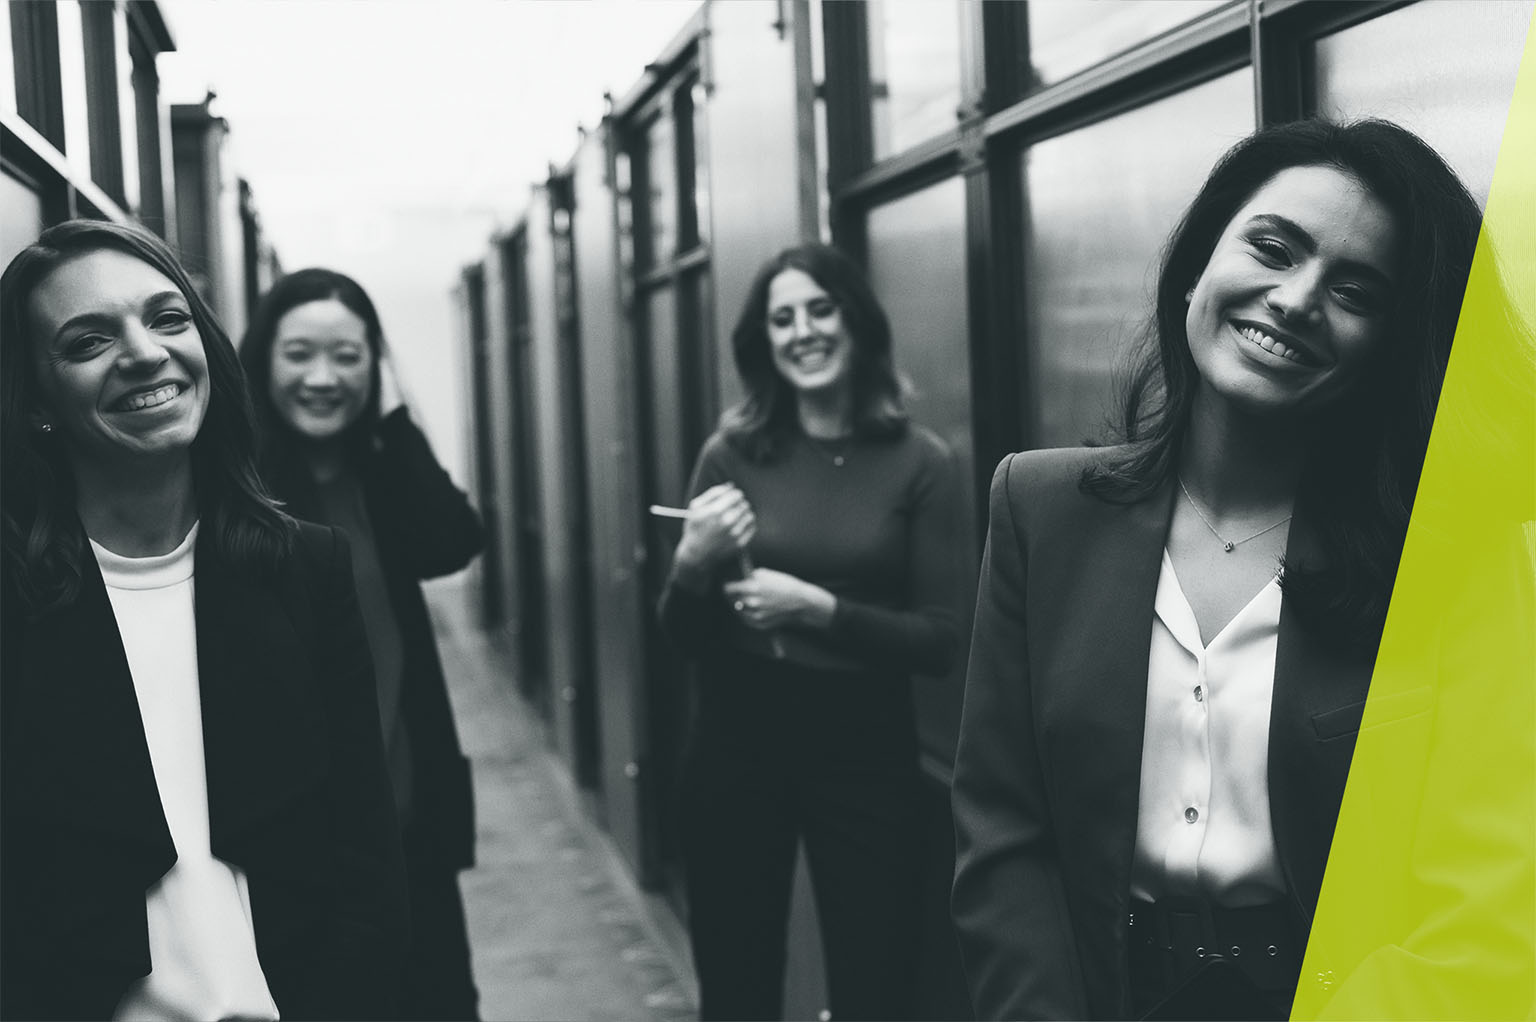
x=873 y=521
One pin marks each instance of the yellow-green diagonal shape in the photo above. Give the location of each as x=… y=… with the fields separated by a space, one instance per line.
x=1428 y=908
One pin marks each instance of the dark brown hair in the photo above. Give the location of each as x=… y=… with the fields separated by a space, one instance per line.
x=760 y=423
x=1366 y=451
x=43 y=543
x=280 y=442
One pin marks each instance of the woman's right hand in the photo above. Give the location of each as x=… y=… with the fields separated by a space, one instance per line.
x=720 y=524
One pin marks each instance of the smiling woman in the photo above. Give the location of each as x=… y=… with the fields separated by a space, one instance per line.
x=805 y=727
x=122 y=369
x=158 y=861
x=339 y=452
x=1164 y=626
x=1293 y=303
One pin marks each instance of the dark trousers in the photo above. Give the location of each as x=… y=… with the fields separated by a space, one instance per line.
x=439 y=981
x=783 y=755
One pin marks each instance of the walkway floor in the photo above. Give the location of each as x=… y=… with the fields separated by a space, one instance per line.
x=558 y=928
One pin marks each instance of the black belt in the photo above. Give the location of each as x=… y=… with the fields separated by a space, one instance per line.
x=1172 y=938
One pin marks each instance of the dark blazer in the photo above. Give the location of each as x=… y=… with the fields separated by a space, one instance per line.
x=1048 y=769
x=297 y=792
x=425 y=527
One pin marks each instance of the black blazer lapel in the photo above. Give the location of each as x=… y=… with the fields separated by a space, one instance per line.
x=1111 y=582
x=1308 y=762
x=88 y=774
x=263 y=726
x=1093 y=614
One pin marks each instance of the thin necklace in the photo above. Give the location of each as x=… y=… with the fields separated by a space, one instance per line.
x=825 y=448
x=1227 y=545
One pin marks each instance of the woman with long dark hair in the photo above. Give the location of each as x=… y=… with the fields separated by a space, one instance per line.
x=814 y=575
x=196 y=817
x=334 y=452
x=1174 y=636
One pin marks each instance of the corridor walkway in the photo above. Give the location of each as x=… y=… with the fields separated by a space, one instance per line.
x=558 y=928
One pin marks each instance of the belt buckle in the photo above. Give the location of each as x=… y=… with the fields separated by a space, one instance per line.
x=1190 y=931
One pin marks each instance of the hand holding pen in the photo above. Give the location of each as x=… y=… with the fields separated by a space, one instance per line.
x=719 y=524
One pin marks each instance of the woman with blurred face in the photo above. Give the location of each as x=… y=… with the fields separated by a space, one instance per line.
x=197 y=821
x=813 y=576
x=336 y=452
x=1133 y=816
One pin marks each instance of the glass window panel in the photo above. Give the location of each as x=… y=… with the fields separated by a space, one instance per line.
x=700 y=165
x=1068 y=36
x=623 y=180
x=917 y=264
x=21 y=217
x=661 y=181
x=126 y=112
x=1093 y=233
x=1444 y=69
x=77 y=128
x=665 y=402
x=818 y=75
x=8 y=67
x=914 y=70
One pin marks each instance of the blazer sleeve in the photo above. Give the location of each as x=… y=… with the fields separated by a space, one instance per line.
x=439 y=531
x=924 y=634
x=1009 y=902
x=356 y=972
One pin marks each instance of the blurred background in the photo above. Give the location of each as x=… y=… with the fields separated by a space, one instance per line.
x=390 y=139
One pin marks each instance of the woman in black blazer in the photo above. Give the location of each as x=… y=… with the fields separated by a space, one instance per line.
x=1174 y=637
x=315 y=357
x=196 y=817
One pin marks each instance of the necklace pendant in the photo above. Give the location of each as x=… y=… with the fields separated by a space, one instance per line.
x=1227 y=546
x=838 y=461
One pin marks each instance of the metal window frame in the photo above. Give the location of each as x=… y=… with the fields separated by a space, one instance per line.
x=103 y=114
x=1001 y=117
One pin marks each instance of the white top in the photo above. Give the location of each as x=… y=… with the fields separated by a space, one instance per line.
x=1203 y=825
x=202 y=944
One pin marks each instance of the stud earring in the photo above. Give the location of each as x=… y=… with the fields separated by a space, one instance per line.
x=1189 y=296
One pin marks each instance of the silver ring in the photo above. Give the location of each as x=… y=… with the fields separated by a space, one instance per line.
x=740 y=606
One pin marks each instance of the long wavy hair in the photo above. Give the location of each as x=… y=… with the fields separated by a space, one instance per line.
x=1365 y=451
x=761 y=422
x=42 y=543
x=281 y=444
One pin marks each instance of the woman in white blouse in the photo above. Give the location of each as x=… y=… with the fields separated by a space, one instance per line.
x=196 y=819
x=1174 y=636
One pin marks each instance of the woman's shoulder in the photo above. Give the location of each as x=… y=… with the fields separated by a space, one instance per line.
x=925 y=443
x=1050 y=474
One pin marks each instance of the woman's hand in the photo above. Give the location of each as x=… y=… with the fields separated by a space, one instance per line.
x=720 y=524
x=768 y=599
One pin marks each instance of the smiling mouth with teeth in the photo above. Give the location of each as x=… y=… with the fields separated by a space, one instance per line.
x=149 y=399
x=811 y=355
x=1275 y=346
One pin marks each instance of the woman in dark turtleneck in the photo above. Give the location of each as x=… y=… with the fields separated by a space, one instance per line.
x=843 y=515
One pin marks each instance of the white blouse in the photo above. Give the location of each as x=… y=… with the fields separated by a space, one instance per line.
x=202 y=943
x=1203 y=825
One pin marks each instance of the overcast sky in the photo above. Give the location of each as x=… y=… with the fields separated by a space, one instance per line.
x=388 y=139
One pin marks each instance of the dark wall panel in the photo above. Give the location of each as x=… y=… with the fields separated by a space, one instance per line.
x=613 y=486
